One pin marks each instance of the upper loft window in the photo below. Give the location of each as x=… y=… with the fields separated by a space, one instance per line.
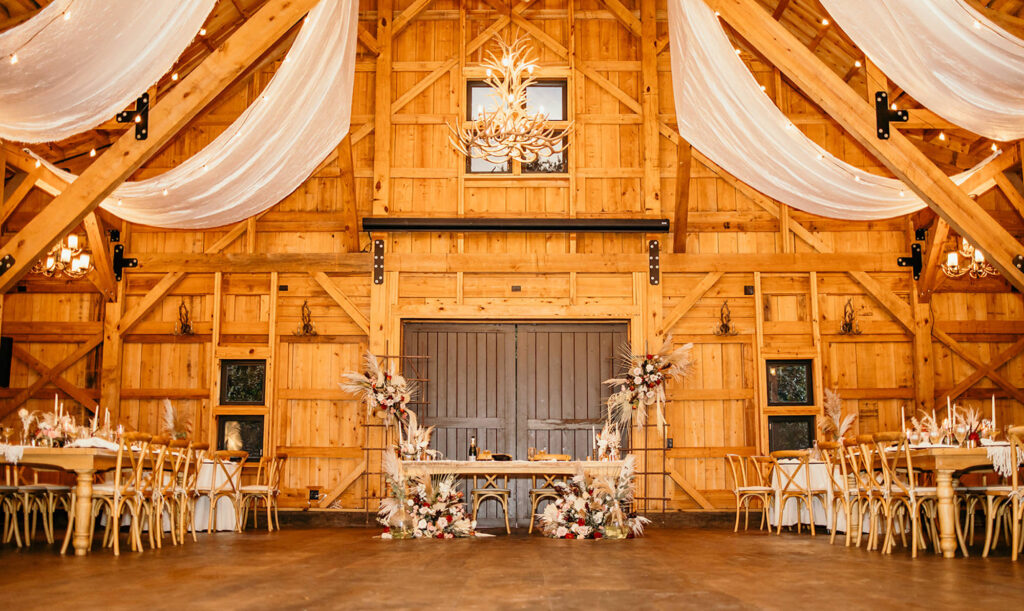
x=790 y=382
x=545 y=96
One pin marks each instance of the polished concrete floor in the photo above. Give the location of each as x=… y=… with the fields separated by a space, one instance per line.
x=346 y=568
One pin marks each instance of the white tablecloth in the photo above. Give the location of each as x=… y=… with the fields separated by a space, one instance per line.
x=796 y=510
x=225 y=508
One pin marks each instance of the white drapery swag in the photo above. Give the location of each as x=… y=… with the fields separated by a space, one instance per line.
x=73 y=74
x=946 y=55
x=272 y=148
x=722 y=111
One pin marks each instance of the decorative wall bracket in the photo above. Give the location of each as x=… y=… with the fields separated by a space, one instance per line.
x=653 y=262
x=849 y=326
x=885 y=115
x=914 y=261
x=121 y=261
x=378 y=261
x=139 y=116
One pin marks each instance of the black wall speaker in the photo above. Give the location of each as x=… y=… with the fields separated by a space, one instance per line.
x=6 y=350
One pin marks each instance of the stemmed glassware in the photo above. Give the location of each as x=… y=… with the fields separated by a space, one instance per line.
x=7 y=431
x=960 y=432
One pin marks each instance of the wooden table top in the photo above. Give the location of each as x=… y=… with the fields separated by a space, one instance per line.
x=950 y=459
x=513 y=467
x=69 y=459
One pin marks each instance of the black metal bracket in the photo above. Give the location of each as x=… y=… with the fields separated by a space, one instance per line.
x=114 y=235
x=121 y=261
x=1018 y=262
x=378 y=261
x=139 y=116
x=914 y=261
x=6 y=263
x=653 y=262
x=921 y=234
x=885 y=115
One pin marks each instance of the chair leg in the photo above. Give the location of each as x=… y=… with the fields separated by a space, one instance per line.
x=277 y=516
x=71 y=523
x=737 y=527
x=989 y=519
x=533 y=512
x=504 y=505
x=1015 y=528
x=212 y=514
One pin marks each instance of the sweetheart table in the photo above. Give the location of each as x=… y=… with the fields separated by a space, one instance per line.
x=513 y=467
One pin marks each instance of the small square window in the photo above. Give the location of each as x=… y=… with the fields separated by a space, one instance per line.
x=241 y=433
x=556 y=163
x=790 y=382
x=242 y=382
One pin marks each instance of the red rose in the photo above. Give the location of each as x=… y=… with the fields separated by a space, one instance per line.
x=570 y=536
x=580 y=522
x=387 y=529
x=449 y=519
x=597 y=535
x=440 y=535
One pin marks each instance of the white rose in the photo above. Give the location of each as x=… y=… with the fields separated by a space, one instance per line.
x=637 y=380
x=636 y=371
x=579 y=504
x=385 y=535
x=421 y=524
x=650 y=367
x=561 y=532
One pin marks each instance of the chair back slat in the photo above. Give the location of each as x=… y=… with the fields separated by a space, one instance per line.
x=892 y=449
x=835 y=466
x=799 y=479
x=222 y=459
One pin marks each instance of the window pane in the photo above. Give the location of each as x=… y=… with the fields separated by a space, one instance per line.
x=547 y=164
x=482 y=166
x=481 y=95
x=546 y=98
x=789 y=383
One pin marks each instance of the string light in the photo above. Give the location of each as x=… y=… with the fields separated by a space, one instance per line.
x=977 y=24
x=92 y=153
x=763 y=88
x=824 y=22
x=38 y=163
x=202 y=32
x=737 y=51
x=857 y=64
x=894 y=106
x=165 y=192
x=67 y=15
x=995 y=148
x=14 y=58
x=942 y=135
x=174 y=76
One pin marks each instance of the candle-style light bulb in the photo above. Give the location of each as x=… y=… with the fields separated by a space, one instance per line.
x=72 y=241
x=952 y=260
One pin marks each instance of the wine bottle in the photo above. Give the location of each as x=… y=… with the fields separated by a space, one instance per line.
x=472 y=448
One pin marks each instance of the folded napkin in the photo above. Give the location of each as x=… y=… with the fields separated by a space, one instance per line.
x=93 y=442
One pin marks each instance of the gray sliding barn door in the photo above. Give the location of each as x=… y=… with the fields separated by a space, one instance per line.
x=513 y=386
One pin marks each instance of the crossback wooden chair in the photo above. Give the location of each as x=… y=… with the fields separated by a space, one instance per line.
x=10 y=503
x=266 y=489
x=845 y=494
x=796 y=484
x=545 y=490
x=902 y=496
x=492 y=490
x=748 y=485
x=153 y=484
x=1004 y=503
x=224 y=465
x=39 y=501
x=123 y=496
x=187 y=490
x=870 y=484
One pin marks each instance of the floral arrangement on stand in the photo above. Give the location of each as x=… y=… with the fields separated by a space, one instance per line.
x=608 y=443
x=418 y=508
x=833 y=423
x=594 y=510
x=386 y=393
x=175 y=424
x=644 y=383
x=414 y=442
x=52 y=429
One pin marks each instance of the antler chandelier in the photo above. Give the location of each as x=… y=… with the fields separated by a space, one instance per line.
x=967 y=260
x=68 y=258
x=509 y=131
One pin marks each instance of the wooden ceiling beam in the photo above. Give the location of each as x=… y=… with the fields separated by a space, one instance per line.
x=170 y=115
x=857 y=117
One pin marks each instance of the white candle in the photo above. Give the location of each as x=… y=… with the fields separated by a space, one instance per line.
x=949 y=410
x=55 y=403
x=993 y=411
x=903 y=419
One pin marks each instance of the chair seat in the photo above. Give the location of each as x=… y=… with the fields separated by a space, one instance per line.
x=998 y=490
x=8 y=489
x=106 y=489
x=544 y=492
x=743 y=489
x=494 y=491
x=254 y=489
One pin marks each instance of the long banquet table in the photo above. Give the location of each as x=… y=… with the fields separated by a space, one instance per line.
x=944 y=462
x=85 y=462
x=514 y=467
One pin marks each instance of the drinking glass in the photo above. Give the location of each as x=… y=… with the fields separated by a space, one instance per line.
x=960 y=432
x=530 y=453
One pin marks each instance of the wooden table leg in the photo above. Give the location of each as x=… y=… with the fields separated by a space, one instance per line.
x=947 y=522
x=83 y=512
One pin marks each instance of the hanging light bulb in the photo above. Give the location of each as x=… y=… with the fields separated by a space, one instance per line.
x=174 y=76
x=202 y=31
x=38 y=163
x=67 y=15
x=92 y=153
x=824 y=22
x=977 y=24
x=857 y=63
x=165 y=192
x=942 y=135
x=14 y=58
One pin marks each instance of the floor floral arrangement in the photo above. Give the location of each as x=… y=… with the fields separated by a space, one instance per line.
x=422 y=507
x=597 y=508
x=643 y=384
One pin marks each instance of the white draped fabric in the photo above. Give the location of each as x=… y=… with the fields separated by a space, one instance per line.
x=722 y=111
x=946 y=55
x=272 y=148
x=73 y=74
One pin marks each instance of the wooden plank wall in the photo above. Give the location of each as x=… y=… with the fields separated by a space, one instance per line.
x=786 y=275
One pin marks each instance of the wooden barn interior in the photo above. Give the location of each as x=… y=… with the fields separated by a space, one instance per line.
x=506 y=292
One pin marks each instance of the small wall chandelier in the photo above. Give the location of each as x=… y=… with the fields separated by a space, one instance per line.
x=68 y=257
x=509 y=131
x=967 y=260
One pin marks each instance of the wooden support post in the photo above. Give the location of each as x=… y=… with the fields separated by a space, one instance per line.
x=930 y=274
x=347 y=198
x=924 y=358
x=759 y=376
x=382 y=116
x=214 y=363
x=898 y=154
x=649 y=102
x=819 y=365
x=167 y=118
x=684 y=162
x=110 y=368
x=100 y=246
